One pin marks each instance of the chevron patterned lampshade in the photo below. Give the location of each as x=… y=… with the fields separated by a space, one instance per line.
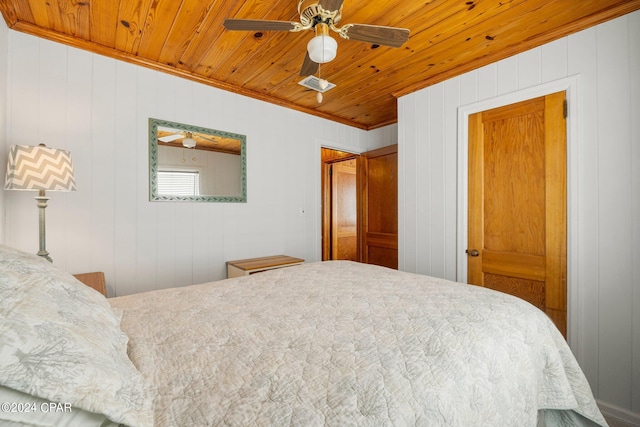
x=39 y=168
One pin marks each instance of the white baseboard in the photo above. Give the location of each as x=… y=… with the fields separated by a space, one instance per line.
x=632 y=419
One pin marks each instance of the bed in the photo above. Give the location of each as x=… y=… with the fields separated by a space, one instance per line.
x=330 y=343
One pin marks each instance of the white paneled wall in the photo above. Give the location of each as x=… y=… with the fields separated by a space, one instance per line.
x=98 y=108
x=4 y=33
x=605 y=191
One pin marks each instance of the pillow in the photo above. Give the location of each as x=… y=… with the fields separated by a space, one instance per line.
x=61 y=342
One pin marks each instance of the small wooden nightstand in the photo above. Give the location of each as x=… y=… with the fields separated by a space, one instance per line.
x=244 y=267
x=93 y=280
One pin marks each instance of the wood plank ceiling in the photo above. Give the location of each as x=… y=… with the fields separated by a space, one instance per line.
x=187 y=38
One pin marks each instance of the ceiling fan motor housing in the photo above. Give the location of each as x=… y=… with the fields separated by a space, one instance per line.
x=311 y=13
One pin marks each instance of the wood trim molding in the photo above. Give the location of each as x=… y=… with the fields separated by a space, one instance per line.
x=157 y=66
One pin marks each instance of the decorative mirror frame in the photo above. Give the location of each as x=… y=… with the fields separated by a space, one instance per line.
x=153 y=163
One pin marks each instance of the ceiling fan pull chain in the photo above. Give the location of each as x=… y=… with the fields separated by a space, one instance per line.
x=319 y=96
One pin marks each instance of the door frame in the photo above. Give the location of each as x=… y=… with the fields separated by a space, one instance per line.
x=571 y=86
x=326 y=205
x=318 y=219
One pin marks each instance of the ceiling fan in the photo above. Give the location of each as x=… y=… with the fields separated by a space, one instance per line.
x=322 y=16
x=188 y=138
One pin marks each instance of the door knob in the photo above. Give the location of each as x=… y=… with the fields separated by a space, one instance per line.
x=472 y=252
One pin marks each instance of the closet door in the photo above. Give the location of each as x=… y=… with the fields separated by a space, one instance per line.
x=379 y=201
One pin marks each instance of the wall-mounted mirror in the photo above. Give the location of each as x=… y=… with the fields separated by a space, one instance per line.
x=191 y=163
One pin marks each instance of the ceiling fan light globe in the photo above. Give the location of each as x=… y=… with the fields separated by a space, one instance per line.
x=322 y=49
x=189 y=142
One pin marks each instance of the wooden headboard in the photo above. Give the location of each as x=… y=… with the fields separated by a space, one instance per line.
x=94 y=280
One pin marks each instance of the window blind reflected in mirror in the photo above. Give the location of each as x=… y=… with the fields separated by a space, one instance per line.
x=179 y=183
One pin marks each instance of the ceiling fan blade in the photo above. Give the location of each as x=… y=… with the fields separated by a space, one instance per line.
x=330 y=5
x=258 y=25
x=308 y=66
x=376 y=34
x=170 y=138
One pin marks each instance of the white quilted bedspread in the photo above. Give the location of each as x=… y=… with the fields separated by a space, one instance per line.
x=341 y=344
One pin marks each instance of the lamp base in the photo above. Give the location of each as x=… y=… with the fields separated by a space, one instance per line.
x=41 y=200
x=45 y=255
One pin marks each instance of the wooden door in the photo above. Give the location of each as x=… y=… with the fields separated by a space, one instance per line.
x=380 y=206
x=517 y=203
x=344 y=236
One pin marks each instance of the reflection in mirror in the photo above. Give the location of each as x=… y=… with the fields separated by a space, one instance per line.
x=192 y=163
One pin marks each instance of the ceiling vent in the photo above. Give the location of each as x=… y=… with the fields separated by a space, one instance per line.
x=313 y=83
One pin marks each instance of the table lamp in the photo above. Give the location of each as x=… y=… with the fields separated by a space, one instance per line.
x=40 y=168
